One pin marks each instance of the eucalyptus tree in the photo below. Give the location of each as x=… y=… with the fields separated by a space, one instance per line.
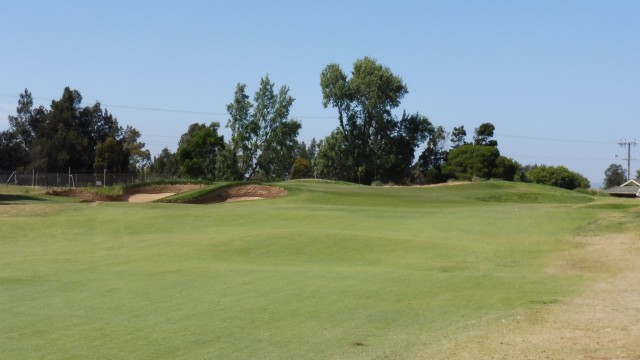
x=372 y=135
x=458 y=137
x=430 y=162
x=263 y=138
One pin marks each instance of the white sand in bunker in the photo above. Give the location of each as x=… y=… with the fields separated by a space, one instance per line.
x=140 y=198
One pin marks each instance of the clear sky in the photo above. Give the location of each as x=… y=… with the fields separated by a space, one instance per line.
x=560 y=80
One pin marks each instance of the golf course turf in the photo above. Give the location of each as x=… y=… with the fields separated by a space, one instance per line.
x=329 y=271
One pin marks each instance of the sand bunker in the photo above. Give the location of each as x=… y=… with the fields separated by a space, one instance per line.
x=150 y=193
x=140 y=198
x=243 y=193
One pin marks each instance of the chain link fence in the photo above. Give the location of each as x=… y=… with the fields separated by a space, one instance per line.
x=69 y=179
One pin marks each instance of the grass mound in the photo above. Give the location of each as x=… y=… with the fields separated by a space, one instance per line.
x=534 y=194
x=536 y=198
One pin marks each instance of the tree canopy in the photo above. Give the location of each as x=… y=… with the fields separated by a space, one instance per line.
x=372 y=141
x=558 y=176
x=263 y=138
x=68 y=135
x=376 y=144
x=472 y=161
x=615 y=175
x=198 y=149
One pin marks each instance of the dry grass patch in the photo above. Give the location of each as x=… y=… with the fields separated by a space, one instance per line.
x=602 y=322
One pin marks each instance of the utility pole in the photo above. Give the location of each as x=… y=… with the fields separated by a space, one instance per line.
x=624 y=143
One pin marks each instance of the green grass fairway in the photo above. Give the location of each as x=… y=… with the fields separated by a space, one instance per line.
x=331 y=271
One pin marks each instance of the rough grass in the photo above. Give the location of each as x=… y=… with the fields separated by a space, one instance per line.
x=329 y=271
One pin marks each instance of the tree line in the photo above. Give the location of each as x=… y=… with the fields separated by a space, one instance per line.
x=370 y=143
x=66 y=135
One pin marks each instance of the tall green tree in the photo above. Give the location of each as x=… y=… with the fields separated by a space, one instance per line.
x=198 y=150
x=303 y=165
x=112 y=156
x=22 y=124
x=397 y=152
x=458 y=137
x=333 y=160
x=483 y=135
x=429 y=164
x=279 y=153
x=263 y=138
x=99 y=127
x=301 y=169
x=139 y=157
x=60 y=141
x=507 y=169
x=68 y=135
x=12 y=152
x=472 y=161
x=166 y=164
x=614 y=175
x=371 y=134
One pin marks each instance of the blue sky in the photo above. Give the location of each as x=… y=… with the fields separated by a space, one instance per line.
x=560 y=80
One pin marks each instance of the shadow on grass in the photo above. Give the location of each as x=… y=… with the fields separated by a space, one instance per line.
x=14 y=197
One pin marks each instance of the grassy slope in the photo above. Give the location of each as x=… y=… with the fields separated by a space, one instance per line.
x=187 y=196
x=330 y=271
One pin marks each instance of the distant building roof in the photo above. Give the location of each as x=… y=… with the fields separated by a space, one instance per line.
x=632 y=182
x=630 y=188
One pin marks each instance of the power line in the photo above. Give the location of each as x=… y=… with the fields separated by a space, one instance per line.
x=196 y=112
x=192 y=112
x=628 y=144
x=176 y=111
x=554 y=139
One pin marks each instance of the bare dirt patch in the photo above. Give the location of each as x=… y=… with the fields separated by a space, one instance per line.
x=84 y=195
x=137 y=194
x=243 y=193
x=160 y=189
x=603 y=322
